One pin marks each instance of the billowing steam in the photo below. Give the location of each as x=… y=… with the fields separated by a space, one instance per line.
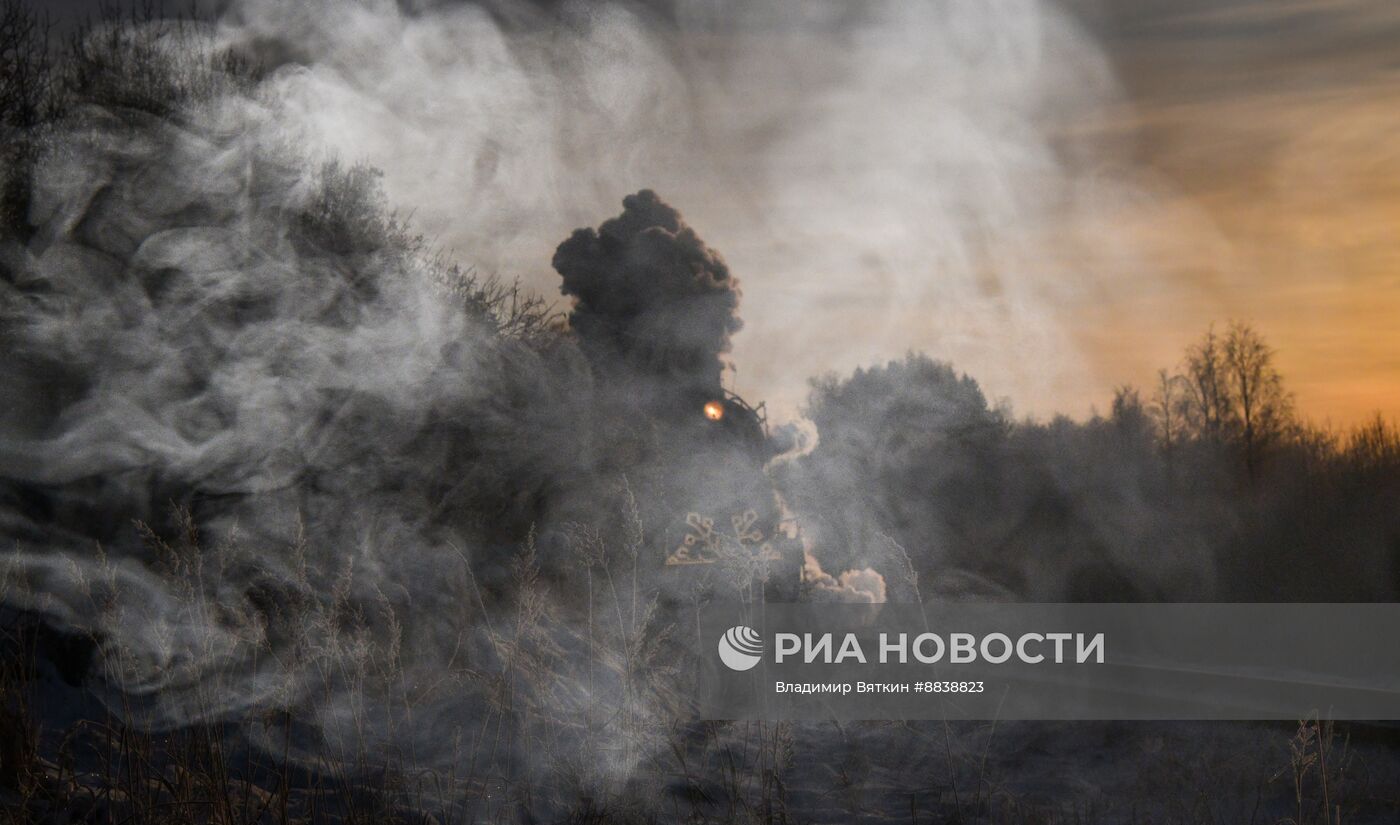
x=353 y=479
x=270 y=452
x=881 y=175
x=197 y=321
x=281 y=388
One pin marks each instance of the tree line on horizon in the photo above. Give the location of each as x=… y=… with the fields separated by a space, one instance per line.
x=1208 y=486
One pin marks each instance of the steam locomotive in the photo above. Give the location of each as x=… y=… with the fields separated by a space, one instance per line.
x=726 y=514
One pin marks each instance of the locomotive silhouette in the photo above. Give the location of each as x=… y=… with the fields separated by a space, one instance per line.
x=653 y=311
x=736 y=520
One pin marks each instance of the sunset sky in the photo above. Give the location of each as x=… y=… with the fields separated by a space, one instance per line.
x=1237 y=160
x=1272 y=125
x=1055 y=198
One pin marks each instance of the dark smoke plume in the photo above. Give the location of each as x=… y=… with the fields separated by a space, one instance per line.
x=652 y=300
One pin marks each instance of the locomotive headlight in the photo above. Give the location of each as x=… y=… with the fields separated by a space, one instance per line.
x=714 y=410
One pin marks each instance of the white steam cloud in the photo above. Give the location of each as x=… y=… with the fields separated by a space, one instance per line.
x=881 y=176
x=181 y=334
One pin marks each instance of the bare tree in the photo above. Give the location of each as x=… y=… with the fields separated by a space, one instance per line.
x=1374 y=447
x=26 y=98
x=133 y=55
x=1262 y=409
x=1209 y=405
x=1129 y=415
x=1169 y=410
x=26 y=76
